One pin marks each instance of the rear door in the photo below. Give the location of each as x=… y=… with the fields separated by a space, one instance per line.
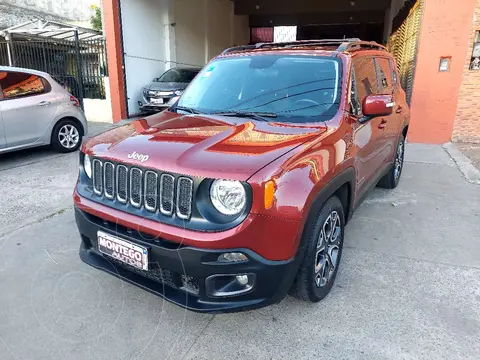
x=392 y=122
x=27 y=107
x=369 y=135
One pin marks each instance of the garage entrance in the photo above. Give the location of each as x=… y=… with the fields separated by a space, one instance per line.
x=395 y=23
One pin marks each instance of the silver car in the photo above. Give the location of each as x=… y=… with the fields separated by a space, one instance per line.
x=35 y=110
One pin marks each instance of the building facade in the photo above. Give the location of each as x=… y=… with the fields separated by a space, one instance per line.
x=436 y=43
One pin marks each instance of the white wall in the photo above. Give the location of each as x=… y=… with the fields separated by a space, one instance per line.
x=241 y=30
x=190 y=31
x=145 y=25
x=159 y=34
x=204 y=28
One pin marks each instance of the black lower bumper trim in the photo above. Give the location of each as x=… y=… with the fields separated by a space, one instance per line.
x=175 y=263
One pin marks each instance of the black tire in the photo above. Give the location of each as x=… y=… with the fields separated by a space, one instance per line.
x=305 y=285
x=392 y=178
x=62 y=125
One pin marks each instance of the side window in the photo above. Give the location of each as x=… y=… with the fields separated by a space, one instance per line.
x=15 y=85
x=385 y=81
x=393 y=66
x=365 y=77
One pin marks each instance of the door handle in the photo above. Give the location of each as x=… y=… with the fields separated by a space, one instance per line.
x=44 y=103
x=399 y=110
x=383 y=124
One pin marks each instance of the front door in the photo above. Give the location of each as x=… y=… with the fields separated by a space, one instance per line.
x=369 y=136
x=27 y=107
x=387 y=86
x=3 y=142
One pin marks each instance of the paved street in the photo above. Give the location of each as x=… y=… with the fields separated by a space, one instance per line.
x=408 y=286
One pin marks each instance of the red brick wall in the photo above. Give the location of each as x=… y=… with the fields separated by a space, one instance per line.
x=467 y=119
x=445 y=31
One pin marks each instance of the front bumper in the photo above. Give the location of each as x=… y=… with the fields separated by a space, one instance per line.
x=174 y=265
x=153 y=108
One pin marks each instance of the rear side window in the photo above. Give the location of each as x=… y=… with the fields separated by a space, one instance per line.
x=365 y=77
x=16 y=85
x=385 y=81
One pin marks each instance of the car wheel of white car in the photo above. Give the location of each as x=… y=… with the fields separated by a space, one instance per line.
x=67 y=136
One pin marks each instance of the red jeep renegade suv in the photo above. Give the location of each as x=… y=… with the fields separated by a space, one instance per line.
x=239 y=193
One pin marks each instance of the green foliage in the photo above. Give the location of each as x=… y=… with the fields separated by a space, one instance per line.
x=96 y=18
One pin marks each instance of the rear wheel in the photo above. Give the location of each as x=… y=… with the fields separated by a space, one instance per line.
x=392 y=178
x=67 y=136
x=319 y=268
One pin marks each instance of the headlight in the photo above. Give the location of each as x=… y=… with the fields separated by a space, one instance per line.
x=87 y=165
x=228 y=196
x=179 y=92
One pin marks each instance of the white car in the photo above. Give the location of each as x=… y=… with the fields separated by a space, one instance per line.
x=35 y=110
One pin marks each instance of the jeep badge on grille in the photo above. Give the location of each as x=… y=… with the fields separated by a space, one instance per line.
x=140 y=157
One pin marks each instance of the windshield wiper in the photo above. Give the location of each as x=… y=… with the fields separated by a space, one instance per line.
x=187 y=109
x=260 y=116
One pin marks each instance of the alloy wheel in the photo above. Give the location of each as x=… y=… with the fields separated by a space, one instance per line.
x=328 y=246
x=399 y=159
x=68 y=136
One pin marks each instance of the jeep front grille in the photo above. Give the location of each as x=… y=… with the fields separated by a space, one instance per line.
x=146 y=189
x=108 y=180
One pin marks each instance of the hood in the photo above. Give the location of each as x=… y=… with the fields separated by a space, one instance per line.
x=198 y=145
x=167 y=86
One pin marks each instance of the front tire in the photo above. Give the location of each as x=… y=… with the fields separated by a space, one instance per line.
x=319 y=267
x=392 y=178
x=67 y=136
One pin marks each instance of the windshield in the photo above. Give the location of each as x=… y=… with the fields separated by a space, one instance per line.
x=295 y=88
x=178 y=75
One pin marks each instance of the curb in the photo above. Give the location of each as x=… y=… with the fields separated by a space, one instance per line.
x=470 y=172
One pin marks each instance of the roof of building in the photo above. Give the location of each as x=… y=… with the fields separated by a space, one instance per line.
x=51 y=29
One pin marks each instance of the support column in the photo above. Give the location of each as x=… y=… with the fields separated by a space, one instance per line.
x=113 y=35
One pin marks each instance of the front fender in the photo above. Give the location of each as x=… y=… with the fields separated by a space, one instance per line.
x=304 y=181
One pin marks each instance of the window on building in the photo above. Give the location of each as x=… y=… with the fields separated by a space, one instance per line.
x=475 y=60
x=16 y=84
x=384 y=72
x=365 y=77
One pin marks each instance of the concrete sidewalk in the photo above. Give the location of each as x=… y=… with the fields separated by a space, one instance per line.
x=408 y=286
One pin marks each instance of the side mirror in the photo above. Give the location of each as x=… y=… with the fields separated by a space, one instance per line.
x=377 y=105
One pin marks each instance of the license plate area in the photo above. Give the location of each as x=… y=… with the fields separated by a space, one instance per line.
x=157 y=101
x=123 y=250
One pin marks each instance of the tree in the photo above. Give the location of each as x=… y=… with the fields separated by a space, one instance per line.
x=96 y=18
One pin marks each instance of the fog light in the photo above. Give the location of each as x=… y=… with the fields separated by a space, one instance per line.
x=242 y=279
x=232 y=257
x=224 y=285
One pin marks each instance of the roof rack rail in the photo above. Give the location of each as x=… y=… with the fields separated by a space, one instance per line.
x=343 y=45
x=355 y=45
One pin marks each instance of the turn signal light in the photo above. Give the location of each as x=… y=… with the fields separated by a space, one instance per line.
x=232 y=257
x=269 y=194
x=74 y=101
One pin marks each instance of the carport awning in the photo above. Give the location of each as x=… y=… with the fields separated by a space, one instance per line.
x=52 y=30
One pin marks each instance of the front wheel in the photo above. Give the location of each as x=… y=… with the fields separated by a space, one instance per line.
x=392 y=178
x=66 y=136
x=319 y=268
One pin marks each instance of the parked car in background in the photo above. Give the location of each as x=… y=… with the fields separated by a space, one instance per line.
x=35 y=110
x=158 y=95
x=239 y=193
